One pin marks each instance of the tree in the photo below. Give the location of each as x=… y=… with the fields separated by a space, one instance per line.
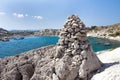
x=93 y=27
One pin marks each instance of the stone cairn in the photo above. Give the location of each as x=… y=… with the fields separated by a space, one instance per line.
x=74 y=56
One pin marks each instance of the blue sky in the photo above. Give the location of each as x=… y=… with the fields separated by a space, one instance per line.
x=41 y=14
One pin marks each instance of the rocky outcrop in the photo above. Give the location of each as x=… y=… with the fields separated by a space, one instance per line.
x=71 y=59
x=47 y=32
x=31 y=65
x=111 y=68
x=3 y=33
x=75 y=56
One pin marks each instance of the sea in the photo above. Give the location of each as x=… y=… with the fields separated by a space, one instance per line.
x=17 y=46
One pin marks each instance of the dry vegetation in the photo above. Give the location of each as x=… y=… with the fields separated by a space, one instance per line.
x=110 y=30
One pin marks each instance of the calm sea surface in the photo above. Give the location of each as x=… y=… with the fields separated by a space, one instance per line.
x=14 y=47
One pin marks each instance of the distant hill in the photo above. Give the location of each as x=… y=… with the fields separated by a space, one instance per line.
x=3 y=31
x=15 y=31
x=106 y=31
x=47 y=32
x=6 y=35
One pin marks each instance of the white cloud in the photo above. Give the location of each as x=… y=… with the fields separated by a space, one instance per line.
x=19 y=15
x=2 y=13
x=15 y=14
x=37 y=17
x=26 y=15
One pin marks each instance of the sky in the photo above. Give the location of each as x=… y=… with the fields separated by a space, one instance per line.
x=52 y=14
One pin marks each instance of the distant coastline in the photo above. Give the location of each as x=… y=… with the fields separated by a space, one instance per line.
x=6 y=35
x=47 y=32
x=111 y=32
x=104 y=37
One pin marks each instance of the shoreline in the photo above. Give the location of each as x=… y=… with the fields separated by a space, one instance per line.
x=103 y=51
x=111 y=65
x=104 y=37
x=7 y=38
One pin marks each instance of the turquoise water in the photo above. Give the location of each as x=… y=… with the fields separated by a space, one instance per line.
x=14 y=47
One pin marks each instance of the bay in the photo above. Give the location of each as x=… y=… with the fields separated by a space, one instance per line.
x=14 y=47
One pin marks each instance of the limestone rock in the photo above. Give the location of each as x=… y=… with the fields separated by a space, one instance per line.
x=83 y=60
x=55 y=77
x=61 y=70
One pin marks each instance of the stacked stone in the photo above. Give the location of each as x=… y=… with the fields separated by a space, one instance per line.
x=73 y=38
x=74 y=56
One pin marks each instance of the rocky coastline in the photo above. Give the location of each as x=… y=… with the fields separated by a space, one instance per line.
x=111 y=32
x=7 y=35
x=93 y=34
x=24 y=64
x=47 y=32
x=71 y=59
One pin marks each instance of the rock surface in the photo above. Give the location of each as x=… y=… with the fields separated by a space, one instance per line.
x=111 y=68
x=32 y=65
x=71 y=59
x=75 y=58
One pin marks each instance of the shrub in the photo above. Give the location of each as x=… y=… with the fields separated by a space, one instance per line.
x=110 y=31
x=93 y=27
x=104 y=34
x=115 y=34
